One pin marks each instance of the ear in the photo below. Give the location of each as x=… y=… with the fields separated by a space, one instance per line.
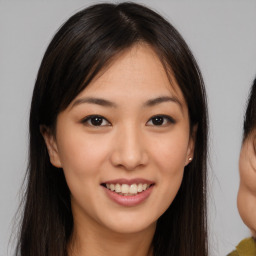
x=191 y=145
x=51 y=145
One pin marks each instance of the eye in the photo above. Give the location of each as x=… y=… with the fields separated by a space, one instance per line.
x=95 y=120
x=160 y=120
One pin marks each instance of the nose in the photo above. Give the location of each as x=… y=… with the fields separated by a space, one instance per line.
x=129 y=149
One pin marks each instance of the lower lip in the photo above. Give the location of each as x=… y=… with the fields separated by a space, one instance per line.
x=129 y=200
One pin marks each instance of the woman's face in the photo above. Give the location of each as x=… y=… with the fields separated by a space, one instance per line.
x=123 y=144
x=247 y=191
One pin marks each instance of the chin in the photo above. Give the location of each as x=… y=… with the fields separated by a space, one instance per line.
x=129 y=224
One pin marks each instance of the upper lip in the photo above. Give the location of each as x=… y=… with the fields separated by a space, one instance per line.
x=129 y=181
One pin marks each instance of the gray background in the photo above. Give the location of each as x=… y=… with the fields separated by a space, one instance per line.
x=222 y=36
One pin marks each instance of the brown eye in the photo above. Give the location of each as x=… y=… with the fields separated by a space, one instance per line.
x=96 y=120
x=160 y=120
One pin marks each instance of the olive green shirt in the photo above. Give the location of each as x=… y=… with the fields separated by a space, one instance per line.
x=246 y=247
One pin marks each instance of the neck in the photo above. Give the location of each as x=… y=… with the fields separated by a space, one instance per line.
x=95 y=240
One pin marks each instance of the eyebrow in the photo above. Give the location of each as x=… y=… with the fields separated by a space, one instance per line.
x=106 y=103
x=162 y=99
x=97 y=101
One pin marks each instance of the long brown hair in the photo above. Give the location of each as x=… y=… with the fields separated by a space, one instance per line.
x=85 y=44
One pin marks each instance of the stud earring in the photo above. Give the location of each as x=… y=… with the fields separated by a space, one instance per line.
x=190 y=159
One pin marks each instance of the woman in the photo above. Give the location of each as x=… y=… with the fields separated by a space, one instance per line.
x=118 y=140
x=246 y=199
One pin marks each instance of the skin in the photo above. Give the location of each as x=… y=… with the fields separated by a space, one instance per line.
x=126 y=145
x=246 y=199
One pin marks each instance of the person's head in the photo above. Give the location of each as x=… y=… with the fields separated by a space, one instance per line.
x=247 y=165
x=118 y=99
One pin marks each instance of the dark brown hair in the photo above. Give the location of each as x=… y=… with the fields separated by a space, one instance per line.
x=82 y=47
x=250 y=114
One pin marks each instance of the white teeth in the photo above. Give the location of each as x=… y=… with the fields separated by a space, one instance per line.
x=125 y=188
x=118 y=188
x=133 y=189
x=144 y=186
x=128 y=190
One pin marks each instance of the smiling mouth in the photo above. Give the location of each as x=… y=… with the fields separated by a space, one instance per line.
x=127 y=190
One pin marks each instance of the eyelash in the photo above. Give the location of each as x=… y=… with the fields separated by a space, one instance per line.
x=166 y=120
x=88 y=120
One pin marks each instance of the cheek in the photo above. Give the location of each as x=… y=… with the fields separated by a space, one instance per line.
x=171 y=153
x=246 y=199
x=82 y=154
x=170 y=157
x=246 y=203
x=82 y=159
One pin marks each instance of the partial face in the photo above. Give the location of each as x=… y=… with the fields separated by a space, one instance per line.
x=247 y=191
x=123 y=144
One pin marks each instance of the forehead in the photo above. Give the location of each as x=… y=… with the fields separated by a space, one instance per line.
x=135 y=69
